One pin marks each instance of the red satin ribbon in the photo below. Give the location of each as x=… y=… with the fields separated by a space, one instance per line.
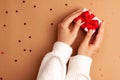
x=86 y=17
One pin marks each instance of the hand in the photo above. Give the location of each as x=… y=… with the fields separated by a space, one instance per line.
x=65 y=34
x=87 y=48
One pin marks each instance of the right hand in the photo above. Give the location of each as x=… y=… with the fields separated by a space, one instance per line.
x=65 y=34
x=87 y=48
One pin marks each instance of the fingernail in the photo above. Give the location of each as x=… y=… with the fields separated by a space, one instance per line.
x=79 y=21
x=92 y=31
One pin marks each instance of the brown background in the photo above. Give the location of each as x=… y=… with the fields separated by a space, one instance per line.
x=28 y=31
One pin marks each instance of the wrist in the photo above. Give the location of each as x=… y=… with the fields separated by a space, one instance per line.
x=88 y=55
x=66 y=42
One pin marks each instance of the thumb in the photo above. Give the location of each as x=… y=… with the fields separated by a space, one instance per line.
x=77 y=26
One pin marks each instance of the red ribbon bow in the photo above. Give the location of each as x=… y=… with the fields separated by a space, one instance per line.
x=87 y=19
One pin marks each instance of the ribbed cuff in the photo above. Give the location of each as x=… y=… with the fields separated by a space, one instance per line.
x=62 y=50
x=80 y=64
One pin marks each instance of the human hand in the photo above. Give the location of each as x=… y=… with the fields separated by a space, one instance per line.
x=88 y=47
x=65 y=34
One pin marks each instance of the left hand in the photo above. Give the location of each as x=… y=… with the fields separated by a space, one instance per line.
x=64 y=33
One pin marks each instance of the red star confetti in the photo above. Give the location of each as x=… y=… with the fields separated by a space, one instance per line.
x=89 y=20
x=2 y=52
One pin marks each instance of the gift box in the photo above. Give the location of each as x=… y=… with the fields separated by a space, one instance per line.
x=89 y=20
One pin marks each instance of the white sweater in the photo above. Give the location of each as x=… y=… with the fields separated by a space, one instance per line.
x=53 y=66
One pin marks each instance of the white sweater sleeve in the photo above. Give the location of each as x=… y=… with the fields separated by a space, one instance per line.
x=79 y=68
x=53 y=66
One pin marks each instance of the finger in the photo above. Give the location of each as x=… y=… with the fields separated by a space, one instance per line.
x=77 y=26
x=100 y=34
x=71 y=17
x=88 y=37
x=73 y=13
